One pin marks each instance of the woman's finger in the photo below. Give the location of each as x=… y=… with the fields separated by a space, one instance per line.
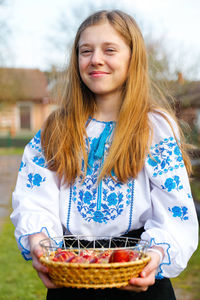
x=36 y=254
x=37 y=251
x=47 y=282
x=135 y=288
x=152 y=265
x=140 y=284
x=38 y=266
x=147 y=277
x=143 y=282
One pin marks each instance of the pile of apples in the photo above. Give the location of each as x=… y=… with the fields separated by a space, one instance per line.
x=92 y=256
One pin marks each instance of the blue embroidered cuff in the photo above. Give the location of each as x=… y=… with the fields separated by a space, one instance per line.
x=166 y=259
x=24 y=244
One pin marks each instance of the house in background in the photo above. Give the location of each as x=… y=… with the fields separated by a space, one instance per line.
x=188 y=98
x=24 y=100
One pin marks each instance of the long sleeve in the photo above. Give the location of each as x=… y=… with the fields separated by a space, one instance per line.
x=173 y=222
x=35 y=198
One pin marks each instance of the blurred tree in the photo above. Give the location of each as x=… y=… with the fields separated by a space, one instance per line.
x=4 y=33
x=68 y=22
x=64 y=31
x=164 y=65
x=164 y=62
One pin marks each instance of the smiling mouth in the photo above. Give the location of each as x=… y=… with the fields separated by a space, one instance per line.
x=98 y=74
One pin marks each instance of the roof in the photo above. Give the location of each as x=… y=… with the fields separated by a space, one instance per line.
x=188 y=93
x=22 y=84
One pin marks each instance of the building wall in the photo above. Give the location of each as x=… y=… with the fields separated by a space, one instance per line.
x=40 y=114
x=11 y=117
x=8 y=119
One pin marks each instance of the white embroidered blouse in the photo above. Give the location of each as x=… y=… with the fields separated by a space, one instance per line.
x=159 y=199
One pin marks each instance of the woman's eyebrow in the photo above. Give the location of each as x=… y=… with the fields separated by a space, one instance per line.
x=105 y=44
x=111 y=44
x=84 y=45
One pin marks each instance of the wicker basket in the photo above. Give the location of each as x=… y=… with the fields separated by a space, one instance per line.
x=92 y=275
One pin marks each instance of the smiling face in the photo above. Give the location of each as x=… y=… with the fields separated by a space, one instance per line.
x=103 y=59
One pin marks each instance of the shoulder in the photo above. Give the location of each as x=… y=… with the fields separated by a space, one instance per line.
x=163 y=126
x=33 y=151
x=35 y=142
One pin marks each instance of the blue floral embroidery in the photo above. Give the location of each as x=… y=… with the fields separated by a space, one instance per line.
x=98 y=216
x=165 y=156
x=172 y=183
x=104 y=201
x=86 y=198
x=22 y=165
x=40 y=161
x=35 y=142
x=34 y=180
x=112 y=199
x=180 y=212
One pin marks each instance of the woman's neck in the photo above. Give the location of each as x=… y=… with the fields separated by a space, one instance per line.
x=108 y=108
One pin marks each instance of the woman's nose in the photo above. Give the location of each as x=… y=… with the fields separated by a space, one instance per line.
x=97 y=58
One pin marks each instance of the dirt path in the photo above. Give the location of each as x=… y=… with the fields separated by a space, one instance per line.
x=9 y=166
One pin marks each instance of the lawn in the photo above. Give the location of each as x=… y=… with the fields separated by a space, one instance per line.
x=19 y=280
x=11 y=151
x=195 y=186
x=189 y=280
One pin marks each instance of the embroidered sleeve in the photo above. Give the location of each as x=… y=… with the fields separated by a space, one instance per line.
x=173 y=224
x=35 y=198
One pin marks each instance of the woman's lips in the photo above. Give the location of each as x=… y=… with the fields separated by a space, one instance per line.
x=98 y=73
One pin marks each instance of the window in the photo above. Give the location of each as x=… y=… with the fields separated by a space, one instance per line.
x=25 y=116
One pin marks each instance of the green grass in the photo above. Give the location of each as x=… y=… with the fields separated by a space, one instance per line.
x=19 y=281
x=189 y=279
x=11 y=151
x=195 y=186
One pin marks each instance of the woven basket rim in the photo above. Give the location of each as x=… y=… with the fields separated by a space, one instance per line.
x=96 y=265
x=93 y=275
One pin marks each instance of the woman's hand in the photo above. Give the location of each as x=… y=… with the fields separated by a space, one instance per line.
x=147 y=276
x=36 y=252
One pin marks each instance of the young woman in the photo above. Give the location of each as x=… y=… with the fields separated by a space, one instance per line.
x=110 y=161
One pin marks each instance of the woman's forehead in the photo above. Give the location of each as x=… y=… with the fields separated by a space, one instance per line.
x=101 y=33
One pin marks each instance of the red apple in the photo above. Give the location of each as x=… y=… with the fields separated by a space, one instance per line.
x=94 y=260
x=78 y=259
x=55 y=259
x=104 y=256
x=63 y=255
x=87 y=252
x=134 y=255
x=119 y=255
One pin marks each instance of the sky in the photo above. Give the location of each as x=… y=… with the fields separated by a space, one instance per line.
x=35 y=39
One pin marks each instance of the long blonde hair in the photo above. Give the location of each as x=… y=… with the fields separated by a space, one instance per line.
x=64 y=134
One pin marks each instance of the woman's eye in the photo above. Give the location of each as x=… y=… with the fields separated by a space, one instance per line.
x=110 y=50
x=85 y=51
